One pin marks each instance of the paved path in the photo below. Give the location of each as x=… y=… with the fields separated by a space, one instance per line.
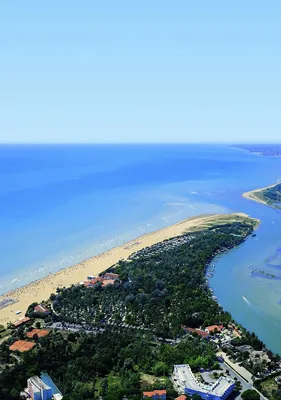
x=237 y=368
x=239 y=372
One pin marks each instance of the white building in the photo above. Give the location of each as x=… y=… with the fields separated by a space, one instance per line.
x=188 y=384
x=38 y=390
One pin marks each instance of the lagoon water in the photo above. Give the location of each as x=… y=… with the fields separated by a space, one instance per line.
x=62 y=204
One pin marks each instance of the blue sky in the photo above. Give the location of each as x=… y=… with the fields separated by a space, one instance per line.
x=140 y=71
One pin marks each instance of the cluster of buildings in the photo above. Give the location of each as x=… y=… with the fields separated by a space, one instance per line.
x=218 y=333
x=42 y=388
x=107 y=279
x=186 y=382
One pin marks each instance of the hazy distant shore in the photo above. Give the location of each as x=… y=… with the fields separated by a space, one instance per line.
x=41 y=289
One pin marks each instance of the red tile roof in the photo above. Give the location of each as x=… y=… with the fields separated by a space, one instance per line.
x=21 y=345
x=108 y=282
x=182 y=397
x=203 y=334
x=21 y=321
x=41 y=309
x=155 y=392
x=111 y=275
x=212 y=328
x=92 y=282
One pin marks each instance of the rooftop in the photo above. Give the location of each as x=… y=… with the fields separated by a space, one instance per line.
x=21 y=321
x=154 y=392
x=41 y=309
x=186 y=379
x=36 y=381
x=108 y=282
x=199 y=332
x=111 y=275
x=214 y=328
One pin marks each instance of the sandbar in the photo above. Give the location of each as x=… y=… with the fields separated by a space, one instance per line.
x=254 y=194
x=40 y=290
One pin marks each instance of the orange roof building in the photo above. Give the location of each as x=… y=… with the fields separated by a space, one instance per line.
x=21 y=321
x=108 y=282
x=155 y=394
x=21 y=345
x=92 y=282
x=203 y=334
x=182 y=397
x=111 y=275
x=214 y=328
x=41 y=309
x=38 y=332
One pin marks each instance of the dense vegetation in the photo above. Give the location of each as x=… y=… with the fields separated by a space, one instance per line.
x=250 y=395
x=273 y=194
x=159 y=289
x=77 y=361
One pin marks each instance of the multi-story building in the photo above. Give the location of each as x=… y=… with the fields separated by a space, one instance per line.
x=188 y=384
x=38 y=390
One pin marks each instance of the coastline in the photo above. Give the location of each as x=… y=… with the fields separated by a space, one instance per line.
x=251 y=195
x=40 y=290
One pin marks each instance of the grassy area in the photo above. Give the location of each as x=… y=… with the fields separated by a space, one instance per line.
x=41 y=321
x=209 y=221
x=269 y=386
x=5 y=333
x=151 y=379
x=147 y=380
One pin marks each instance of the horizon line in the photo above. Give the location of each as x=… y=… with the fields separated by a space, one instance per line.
x=136 y=143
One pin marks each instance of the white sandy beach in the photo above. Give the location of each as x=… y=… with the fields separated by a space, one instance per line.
x=40 y=290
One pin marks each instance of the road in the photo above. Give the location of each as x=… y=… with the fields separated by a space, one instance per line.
x=245 y=385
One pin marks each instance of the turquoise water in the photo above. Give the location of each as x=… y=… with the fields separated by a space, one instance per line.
x=62 y=204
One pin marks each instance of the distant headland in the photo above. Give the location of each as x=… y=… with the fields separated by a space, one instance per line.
x=269 y=195
x=266 y=150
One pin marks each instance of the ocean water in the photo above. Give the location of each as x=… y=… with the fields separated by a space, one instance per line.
x=61 y=204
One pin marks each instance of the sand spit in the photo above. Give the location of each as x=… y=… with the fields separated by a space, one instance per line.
x=254 y=194
x=41 y=289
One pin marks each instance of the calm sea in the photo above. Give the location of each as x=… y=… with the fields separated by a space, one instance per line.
x=62 y=204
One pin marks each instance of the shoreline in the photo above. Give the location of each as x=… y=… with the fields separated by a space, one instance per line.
x=41 y=289
x=251 y=195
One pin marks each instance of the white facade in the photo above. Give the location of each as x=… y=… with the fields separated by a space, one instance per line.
x=38 y=390
x=188 y=384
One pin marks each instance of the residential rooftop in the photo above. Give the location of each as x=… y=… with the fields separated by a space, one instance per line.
x=21 y=321
x=41 y=309
x=199 y=332
x=214 y=328
x=155 y=393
